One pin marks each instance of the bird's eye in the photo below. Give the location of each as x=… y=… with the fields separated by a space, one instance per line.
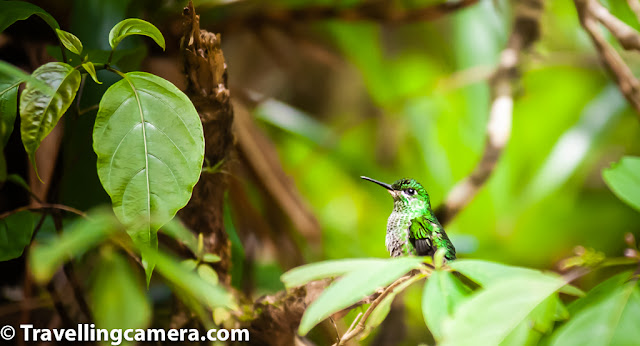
x=411 y=191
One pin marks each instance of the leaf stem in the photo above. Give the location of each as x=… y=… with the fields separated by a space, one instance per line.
x=352 y=332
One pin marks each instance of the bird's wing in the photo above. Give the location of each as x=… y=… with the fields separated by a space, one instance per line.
x=420 y=234
x=427 y=235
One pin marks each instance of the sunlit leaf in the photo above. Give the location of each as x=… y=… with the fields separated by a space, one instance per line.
x=210 y=258
x=208 y=274
x=40 y=111
x=82 y=235
x=118 y=299
x=443 y=292
x=150 y=146
x=15 y=234
x=13 y=11
x=70 y=41
x=320 y=270
x=490 y=315
x=353 y=287
x=623 y=178
x=608 y=315
x=91 y=70
x=134 y=26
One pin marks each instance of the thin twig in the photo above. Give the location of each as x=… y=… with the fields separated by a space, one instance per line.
x=57 y=303
x=525 y=32
x=590 y=12
x=70 y=274
x=634 y=5
x=44 y=207
x=352 y=332
x=626 y=35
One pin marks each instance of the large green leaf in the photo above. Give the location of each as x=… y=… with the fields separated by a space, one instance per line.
x=491 y=315
x=486 y=273
x=15 y=234
x=320 y=270
x=13 y=11
x=79 y=237
x=134 y=26
x=118 y=299
x=540 y=321
x=355 y=286
x=40 y=111
x=150 y=146
x=623 y=178
x=608 y=315
x=442 y=294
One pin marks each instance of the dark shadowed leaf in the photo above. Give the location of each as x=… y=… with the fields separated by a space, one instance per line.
x=623 y=178
x=15 y=234
x=134 y=26
x=118 y=298
x=8 y=106
x=13 y=11
x=150 y=146
x=608 y=315
x=491 y=315
x=326 y=269
x=40 y=111
x=355 y=286
x=442 y=294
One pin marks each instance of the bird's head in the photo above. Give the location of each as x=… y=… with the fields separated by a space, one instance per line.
x=407 y=194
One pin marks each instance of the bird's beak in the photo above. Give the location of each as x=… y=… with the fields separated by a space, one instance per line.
x=385 y=185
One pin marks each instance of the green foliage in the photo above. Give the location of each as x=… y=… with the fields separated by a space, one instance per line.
x=443 y=292
x=192 y=284
x=623 y=178
x=91 y=70
x=82 y=235
x=40 y=111
x=123 y=305
x=150 y=146
x=8 y=107
x=70 y=41
x=494 y=313
x=15 y=234
x=608 y=315
x=13 y=11
x=315 y=271
x=353 y=286
x=134 y=26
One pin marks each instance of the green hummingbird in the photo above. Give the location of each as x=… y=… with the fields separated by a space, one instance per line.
x=412 y=228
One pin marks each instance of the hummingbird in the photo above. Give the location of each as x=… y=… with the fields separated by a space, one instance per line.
x=412 y=228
